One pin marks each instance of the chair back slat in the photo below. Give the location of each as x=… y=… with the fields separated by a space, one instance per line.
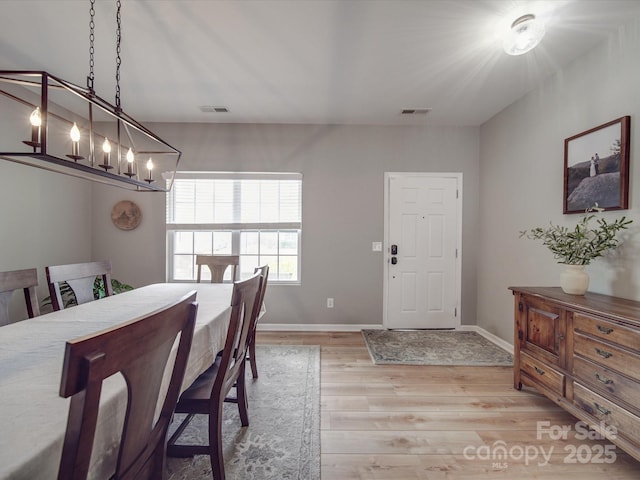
x=27 y=280
x=218 y=265
x=264 y=272
x=251 y=357
x=244 y=307
x=80 y=277
x=139 y=350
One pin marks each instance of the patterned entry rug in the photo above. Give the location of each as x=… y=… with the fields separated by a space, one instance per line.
x=282 y=441
x=434 y=347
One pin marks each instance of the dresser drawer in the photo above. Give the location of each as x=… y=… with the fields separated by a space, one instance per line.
x=542 y=373
x=625 y=422
x=607 y=355
x=609 y=331
x=617 y=385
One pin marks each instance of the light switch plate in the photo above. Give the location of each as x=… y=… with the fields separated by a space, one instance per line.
x=376 y=246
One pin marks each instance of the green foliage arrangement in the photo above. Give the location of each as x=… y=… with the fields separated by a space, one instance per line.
x=69 y=298
x=584 y=243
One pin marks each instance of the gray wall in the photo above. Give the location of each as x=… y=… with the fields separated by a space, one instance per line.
x=45 y=219
x=521 y=183
x=342 y=169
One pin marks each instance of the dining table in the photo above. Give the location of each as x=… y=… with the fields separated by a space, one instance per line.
x=33 y=416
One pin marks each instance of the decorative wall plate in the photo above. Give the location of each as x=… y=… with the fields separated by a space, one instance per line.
x=126 y=215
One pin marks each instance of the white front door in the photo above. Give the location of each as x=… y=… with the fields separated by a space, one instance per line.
x=422 y=244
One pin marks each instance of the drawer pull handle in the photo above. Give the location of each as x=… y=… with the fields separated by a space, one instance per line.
x=605 y=380
x=604 y=353
x=601 y=409
x=605 y=330
x=539 y=371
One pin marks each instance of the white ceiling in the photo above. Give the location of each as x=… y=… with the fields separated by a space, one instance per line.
x=305 y=61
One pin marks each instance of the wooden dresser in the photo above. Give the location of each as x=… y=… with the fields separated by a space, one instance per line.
x=583 y=352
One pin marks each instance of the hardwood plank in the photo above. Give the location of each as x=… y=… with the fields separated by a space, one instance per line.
x=433 y=403
x=417 y=374
x=437 y=390
x=337 y=389
x=445 y=421
x=399 y=442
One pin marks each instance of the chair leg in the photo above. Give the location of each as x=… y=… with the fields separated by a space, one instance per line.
x=252 y=357
x=215 y=443
x=241 y=395
x=159 y=462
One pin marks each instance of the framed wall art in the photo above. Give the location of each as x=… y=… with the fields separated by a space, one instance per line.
x=596 y=168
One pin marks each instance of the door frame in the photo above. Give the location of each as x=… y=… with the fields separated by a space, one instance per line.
x=386 y=258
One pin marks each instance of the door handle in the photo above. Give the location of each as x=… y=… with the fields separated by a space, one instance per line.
x=394 y=249
x=394 y=260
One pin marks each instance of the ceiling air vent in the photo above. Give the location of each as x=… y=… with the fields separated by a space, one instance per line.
x=415 y=111
x=212 y=109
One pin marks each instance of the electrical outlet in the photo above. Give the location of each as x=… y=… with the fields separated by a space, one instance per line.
x=329 y=302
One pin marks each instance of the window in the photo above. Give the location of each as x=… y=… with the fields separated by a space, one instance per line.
x=257 y=215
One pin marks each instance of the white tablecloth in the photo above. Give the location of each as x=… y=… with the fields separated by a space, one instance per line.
x=32 y=414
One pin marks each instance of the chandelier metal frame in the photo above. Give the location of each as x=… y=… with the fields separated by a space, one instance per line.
x=54 y=101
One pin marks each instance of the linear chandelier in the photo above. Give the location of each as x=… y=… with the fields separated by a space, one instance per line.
x=50 y=123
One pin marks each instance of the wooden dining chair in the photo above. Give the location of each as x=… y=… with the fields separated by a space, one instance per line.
x=211 y=389
x=27 y=280
x=139 y=350
x=80 y=277
x=251 y=351
x=218 y=265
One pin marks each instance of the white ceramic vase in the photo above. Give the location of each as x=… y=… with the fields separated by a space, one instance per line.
x=574 y=280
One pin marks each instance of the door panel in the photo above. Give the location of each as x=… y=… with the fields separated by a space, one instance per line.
x=436 y=291
x=422 y=287
x=409 y=233
x=409 y=292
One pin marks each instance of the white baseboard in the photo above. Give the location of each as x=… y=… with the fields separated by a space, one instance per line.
x=489 y=336
x=286 y=327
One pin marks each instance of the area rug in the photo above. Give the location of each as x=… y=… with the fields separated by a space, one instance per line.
x=282 y=441
x=434 y=347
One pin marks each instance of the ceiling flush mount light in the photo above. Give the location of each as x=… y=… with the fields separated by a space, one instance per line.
x=75 y=132
x=525 y=33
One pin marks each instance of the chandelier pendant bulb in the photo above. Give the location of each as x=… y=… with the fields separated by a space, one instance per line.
x=106 y=159
x=131 y=165
x=74 y=133
x=36 y=124
x=149 y=171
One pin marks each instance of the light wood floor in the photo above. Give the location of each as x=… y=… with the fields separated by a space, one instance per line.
x=415 y=422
